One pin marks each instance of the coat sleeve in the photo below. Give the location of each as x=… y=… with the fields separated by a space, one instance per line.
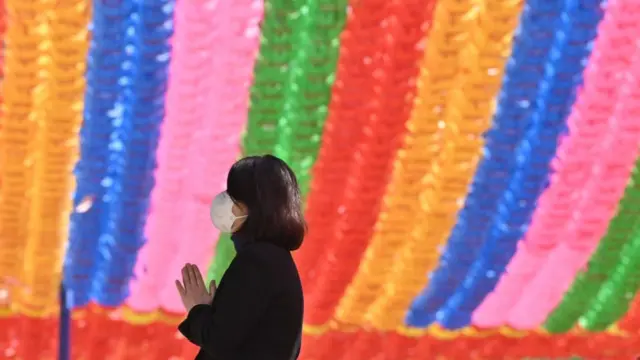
x=221 y=330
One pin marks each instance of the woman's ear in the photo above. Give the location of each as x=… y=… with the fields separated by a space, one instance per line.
x=240 y=209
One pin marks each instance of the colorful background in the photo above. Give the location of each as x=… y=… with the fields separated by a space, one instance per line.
x=489 y=144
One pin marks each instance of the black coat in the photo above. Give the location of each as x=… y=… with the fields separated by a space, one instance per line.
x=256 y=312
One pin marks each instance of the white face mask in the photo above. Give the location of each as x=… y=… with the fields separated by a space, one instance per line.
x=222 y=212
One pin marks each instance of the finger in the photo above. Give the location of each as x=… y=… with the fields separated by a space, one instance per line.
x=198 y=275
x=180 y=288
x=212 y=287
x=185 y=276
x=192 y=275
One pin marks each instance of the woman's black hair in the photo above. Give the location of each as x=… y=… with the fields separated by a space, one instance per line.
x=269 y=189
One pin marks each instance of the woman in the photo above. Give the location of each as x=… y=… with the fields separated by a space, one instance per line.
x=256 y=312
